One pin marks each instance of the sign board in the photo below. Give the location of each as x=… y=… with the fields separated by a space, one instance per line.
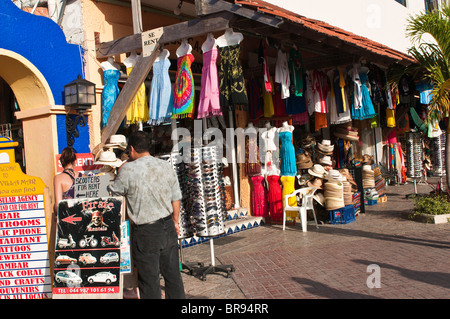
x=149 y=40
x=87 y=253
x=91 y=186
x=24 y=260
x=84 y=163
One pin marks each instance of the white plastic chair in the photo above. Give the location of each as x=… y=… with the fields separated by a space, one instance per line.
x=307 y=203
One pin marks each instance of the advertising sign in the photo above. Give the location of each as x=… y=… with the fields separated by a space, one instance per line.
x=87 y=254
x=24 y=260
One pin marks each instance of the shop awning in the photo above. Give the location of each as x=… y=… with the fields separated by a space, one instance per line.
x=327 y=46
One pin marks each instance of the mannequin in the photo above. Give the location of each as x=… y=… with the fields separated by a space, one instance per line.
x=209 y=103
x=138 y=111
x=111 y=75
x=184 y=49
x=184 y=92
x=163 y=55
x=209 y=44
x=161 y=91
x=229 y=38
x=285 y=127
x=130 y=61
x=288 y=164
x=109 y=65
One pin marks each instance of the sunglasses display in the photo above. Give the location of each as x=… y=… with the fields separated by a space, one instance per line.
x=438 y=155
x=414 y=154
x=200 y=175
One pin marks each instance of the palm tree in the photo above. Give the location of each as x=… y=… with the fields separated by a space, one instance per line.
x=433 y=63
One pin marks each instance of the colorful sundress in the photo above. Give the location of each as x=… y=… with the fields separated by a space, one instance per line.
x=183 y=90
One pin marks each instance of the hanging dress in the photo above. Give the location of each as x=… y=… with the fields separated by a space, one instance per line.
x=275 y=197
x=231 y=78
x=288 y=166
x=110 y=92
x=254 y=99
x=161 y=94
x=288 y=183
x=252 y=159
x=260 y=206
x=268 y=101
x=138 y=110
x=209 y=104
x=183 y=90
x=296 y=71
x=366 y=110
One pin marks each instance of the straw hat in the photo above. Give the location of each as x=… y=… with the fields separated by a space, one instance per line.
x=108 y=158
x=318 y=171
x=325 y=147
x=345 y=172
x=334 y=195
x=118 y=141
x=334 y=175
x=326 y=160
x=316 y=182
x=368 y=176
x=304 y=161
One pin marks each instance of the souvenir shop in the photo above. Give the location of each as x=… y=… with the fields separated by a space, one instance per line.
x=326 y=124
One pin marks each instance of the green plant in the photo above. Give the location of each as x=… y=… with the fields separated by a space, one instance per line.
x=433 y=204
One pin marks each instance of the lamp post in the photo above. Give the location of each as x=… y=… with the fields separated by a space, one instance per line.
x=79 y=95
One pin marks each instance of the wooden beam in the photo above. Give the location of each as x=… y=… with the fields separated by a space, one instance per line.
x=212 y=23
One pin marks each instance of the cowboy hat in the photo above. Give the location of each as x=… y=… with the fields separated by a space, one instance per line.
x=317 y=170
x=118 y=141
x=304 y=161
x=326 y=160
x=334 y=175
x=108 y=158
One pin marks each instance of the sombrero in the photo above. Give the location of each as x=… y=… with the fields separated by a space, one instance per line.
x=108 y=158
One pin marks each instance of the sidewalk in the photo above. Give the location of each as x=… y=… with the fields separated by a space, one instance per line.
x=332 y=261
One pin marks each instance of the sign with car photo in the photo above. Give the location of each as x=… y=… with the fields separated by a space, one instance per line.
x=87 y=254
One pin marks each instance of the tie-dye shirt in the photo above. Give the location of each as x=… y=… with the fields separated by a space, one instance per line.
x=150 y=185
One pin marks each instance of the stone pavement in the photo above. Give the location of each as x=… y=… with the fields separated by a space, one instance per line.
x=411 y=258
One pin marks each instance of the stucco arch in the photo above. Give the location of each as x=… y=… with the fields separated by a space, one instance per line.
x=27 y=82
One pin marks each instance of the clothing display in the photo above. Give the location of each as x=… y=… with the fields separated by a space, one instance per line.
x=209 y=103
x=282 y=75
x=288 y=186
x=184 y=93
x=288 y=165
x=161 y=94
x=364 y=109
x=138 y=111
x=110 y=92
x=296 y=69
x=260 y=205
x=231 y=78
x=275 y=198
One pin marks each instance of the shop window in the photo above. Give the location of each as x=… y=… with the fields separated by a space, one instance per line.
x=402 y=2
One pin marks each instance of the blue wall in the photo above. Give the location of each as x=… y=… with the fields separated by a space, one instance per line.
x=42 y=42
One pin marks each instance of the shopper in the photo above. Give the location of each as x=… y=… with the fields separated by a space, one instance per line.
x=64 y=183
x=153 y=196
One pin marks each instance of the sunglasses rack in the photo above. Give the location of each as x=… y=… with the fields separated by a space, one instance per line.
x=438 y=155
x=414 y=154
